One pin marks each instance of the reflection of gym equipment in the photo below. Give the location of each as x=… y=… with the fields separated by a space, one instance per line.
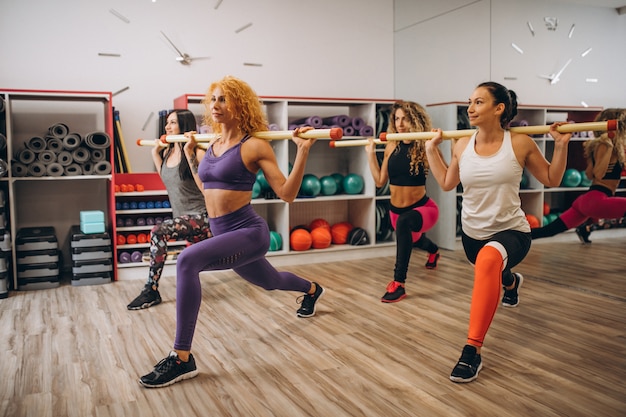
x=456 y=134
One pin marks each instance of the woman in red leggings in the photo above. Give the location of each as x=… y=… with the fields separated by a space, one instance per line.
x=605 y=163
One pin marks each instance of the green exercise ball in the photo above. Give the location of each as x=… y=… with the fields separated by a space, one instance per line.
x=571 y=178
x=329 y=185
x=353 y=184
x=310 y=186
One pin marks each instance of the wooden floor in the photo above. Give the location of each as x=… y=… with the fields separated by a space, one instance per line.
x=77 y=351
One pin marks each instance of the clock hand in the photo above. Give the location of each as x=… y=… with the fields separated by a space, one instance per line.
x=556 y=78
x=183 y=58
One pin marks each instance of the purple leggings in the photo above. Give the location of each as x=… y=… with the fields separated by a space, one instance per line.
x=240 y=241
x=595 y=204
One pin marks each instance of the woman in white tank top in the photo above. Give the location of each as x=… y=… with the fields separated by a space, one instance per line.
x=495 y=232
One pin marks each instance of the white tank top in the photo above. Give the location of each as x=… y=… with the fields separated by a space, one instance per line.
x=491 y=184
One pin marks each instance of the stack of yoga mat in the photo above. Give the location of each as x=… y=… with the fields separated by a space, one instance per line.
x=61 y=152
x=352 y=126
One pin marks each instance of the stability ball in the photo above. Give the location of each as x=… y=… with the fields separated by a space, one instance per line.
x=276 y=241
x=339 y=180
x=584 y=182
x=260 y=178
x=571 y=178
x=310 y=186
x=353 y=184
x=329 y=185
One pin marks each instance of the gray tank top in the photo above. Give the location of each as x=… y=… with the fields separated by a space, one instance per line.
x=184 y=195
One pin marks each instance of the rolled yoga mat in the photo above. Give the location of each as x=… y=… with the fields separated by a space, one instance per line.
x=36 y=144
x=97 y=155
x=366 y=131
x=54 y=144
x=340 y=120
x=88 y=168
x=313 y=121
x=348 y=131
x=47 y=157
x=97 y=140
x=26 y=156
x=64 y=158
x=72 y=141
x=54 y=169
x=102 y=168
x=58 y=130
x=72 y=169
x=18 y=169
x=81 y=155
x=357 y=123
x=36 y=169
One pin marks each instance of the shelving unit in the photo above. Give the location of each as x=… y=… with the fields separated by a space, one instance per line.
x=450 y=116
x=131 y=208
x=38 y=201
x=359 y=209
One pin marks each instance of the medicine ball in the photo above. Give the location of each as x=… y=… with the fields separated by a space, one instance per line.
x=358 y=236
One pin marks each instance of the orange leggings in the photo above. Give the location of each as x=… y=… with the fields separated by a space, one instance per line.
x=486 y=293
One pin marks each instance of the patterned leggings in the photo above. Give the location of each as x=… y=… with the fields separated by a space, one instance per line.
x=193 y=228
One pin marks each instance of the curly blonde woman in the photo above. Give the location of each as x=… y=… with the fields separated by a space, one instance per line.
x=241 y=237
x=412 y=212
x=605 y=162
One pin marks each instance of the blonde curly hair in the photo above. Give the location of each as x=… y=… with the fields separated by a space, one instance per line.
x=619 y=138
x=242 y=101
x=419 y=121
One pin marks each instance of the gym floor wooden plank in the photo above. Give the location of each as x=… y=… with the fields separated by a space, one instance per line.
x=77 y=351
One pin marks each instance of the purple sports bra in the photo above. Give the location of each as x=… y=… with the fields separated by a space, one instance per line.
x=227 y=171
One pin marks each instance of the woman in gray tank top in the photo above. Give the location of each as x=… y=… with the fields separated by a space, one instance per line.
x=189 y=220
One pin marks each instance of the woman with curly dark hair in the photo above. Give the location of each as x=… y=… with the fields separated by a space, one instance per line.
x=412 y=212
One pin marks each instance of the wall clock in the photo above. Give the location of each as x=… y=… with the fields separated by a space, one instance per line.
x=561 y=52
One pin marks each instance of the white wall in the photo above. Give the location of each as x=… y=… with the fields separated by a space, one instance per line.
x=444 y=48
x=322 y=48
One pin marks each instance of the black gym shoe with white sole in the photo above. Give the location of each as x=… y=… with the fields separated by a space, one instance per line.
x=149 y=297
x=511 y=297
x=468 y=366
x=169 y=371
x=307 y=301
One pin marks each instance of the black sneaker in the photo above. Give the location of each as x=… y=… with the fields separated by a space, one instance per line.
x=148 y=298
x=307 y=301
x=468 y=366
x=169 y=371
x=431 y=262
x=583 y=233
x=511 y=297
x=395 y=292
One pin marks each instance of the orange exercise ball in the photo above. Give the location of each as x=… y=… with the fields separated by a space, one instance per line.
x=340 y=231
x=300 y=240
x=533 y=221
x=319 y=223
x=321 y=237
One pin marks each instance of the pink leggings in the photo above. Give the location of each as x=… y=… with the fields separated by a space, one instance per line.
x=594 y=204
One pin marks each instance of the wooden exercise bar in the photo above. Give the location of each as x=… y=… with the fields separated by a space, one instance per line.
x=335 y=133
x=151 y=142
x=528 y=130
x=456 y=134
x=354 y=142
